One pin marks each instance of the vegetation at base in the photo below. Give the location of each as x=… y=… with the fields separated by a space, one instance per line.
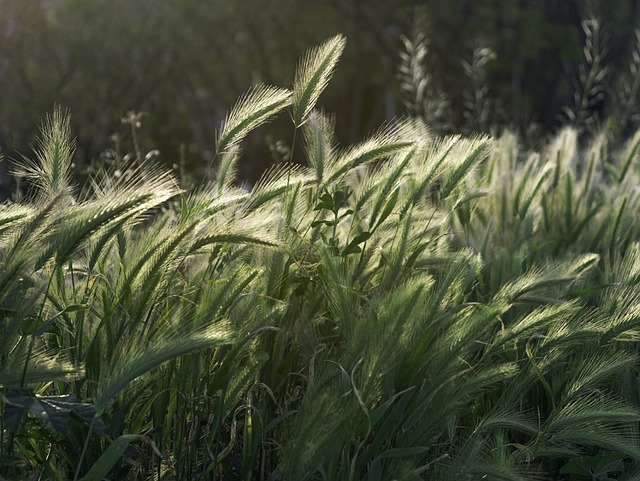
x=409 y=307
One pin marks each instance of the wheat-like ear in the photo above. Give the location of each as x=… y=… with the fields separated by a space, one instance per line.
x=44 y=366
x=596 y=368
x=12 y=216
x=114 y=204
x=536 y=321
x=383 y=143
x=542 y=281
x=504 y=419
x=319 y=139
x=227 y=169
x=275 y=182
x=468 y=154
x=314 y=71
x=141 y=361
x=629 y=155
x=252 y=109
x=594 y=420
x=51 y=173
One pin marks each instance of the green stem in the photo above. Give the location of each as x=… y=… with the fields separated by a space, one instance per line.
x=73 y=281
x=46 y=461
x=290 y=162
x=84 y=451
x=23 y=378
x=136 y=141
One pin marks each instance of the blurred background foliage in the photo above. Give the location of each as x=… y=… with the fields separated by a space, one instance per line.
x=172 y=68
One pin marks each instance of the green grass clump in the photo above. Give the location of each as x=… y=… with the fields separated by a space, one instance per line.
x=410 y=307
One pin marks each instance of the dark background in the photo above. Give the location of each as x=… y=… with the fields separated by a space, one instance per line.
x=183 y=63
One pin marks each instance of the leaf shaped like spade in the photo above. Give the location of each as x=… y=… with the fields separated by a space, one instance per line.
x=595 y=467
x=54 y=411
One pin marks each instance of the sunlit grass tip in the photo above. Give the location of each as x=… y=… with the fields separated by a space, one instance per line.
x=254 y=108
x=313 y=74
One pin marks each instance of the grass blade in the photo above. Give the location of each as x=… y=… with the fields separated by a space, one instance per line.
x=110 y=457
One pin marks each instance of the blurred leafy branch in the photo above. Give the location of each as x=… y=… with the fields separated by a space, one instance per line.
x=185 y=62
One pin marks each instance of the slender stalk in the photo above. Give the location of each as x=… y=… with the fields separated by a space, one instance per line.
x=73 y=281
x=84 y=451
x=48 y=458
x=23 y=378
x=290 y=161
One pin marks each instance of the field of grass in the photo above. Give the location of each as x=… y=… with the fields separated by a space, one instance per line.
x=410 y=307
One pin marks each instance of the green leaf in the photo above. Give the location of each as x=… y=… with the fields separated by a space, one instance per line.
x=386 y=211
x=375 y=470
x=612 y=171
x=353 y=248
x=403 y=452
x=53 y=410
x=44 y=327
x=277 y=421
x=30 y=325
x=326 y=202
x=302 y=282
x=630 y=155
x=110 y=457
x=321 y=222
x=586 y=291
x=594 y=467
x=609 y=463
